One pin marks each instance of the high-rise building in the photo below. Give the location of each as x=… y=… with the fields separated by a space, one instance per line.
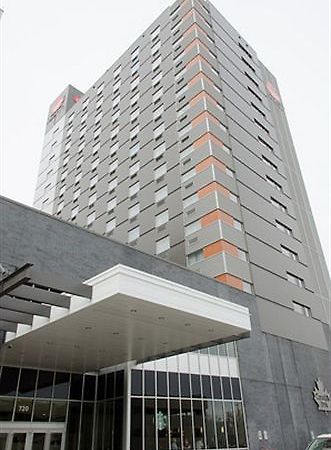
x=182 y=149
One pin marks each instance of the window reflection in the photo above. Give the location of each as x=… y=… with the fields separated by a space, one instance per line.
x=150 y=424
x=41 y=410
x=162 y=424
x=220 y=424
x=230 y=424
x=136 y=424
x=175 y=434
x=198 y=425
x=209 y=421
x=240 y=424
x=187 y=424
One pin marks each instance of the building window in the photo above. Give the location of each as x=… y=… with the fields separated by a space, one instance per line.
x=74 y=212
x=93 y=181
x=134 y=99
x=262 y=127
x=98 y=117
x=60 y=207
x=242 y=254
x=78 y=177
x=133 y=150
x=156 y=63
x=134 y=169
x=186 y=152
x=181 y=91
x=157 y=78
x=158 y=112
x=288 y=252
x=117 y=71
x=110 y=225
x=100 y=87
x=134 y=132
x=194 y=257
x=64 y=175
x=237 y=225
x=112 y=185
x=159 y=150
x=162 y=218
x=134 y=114
x=76 y=195
x=155 y=47
x=284 y=228
x=113 y=166
x=155 y=33
x=184 y=130
x=96 y=147
x=79 y=161
x=114 y=132
x=278 y=204
x=186 y=176
x=135 y=68
x=97 y=132
x=294 y=279
x=192 y=228
x=157 y=95
x=133 y=234
x=115 y=116
x=134 y=83
x=134 y=210
x=116 y=100
x=111 y=204
x=90 y=218
x=162 y=245
x=114 y=148
x=302 y=309
x=269 y=163
x=95 y=163
x=190 y=200
x=134 y=189
x=161 y=194
x=92 y=199
x=265 y=144
x=274 y=183
x=99 y=103
x=160 y=171
x=62 y=190
x=116 y=85
x=135 y=53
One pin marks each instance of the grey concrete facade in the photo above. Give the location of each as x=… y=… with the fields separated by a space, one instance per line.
x=182 y=149
x=277 y=374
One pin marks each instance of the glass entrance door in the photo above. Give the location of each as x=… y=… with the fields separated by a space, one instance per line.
x=30 y=440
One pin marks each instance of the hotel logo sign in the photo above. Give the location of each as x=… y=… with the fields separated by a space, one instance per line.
x=321 y=396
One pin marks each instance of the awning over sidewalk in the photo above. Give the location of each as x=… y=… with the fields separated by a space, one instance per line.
x=130 y=315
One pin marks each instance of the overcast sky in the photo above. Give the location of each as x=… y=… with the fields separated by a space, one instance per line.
x=49 y=44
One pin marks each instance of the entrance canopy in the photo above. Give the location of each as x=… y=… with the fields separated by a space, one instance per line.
x=124 y=315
